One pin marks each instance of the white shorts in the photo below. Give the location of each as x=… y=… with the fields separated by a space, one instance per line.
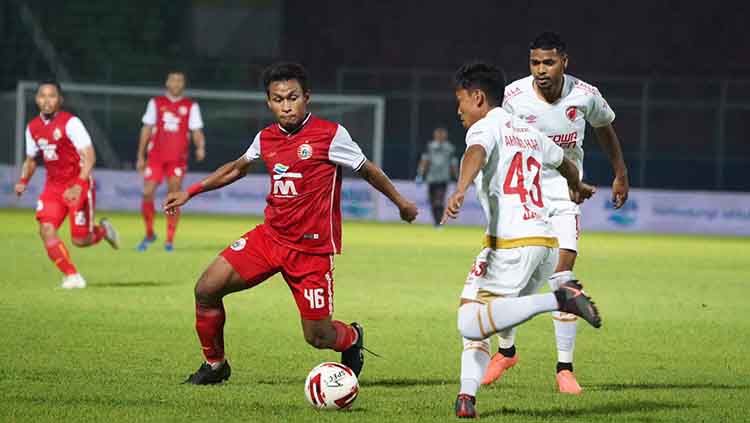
x=509 y=272
x=565 y=217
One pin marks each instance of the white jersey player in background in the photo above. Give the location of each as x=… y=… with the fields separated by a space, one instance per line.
x=505 y=158
x=560 y=105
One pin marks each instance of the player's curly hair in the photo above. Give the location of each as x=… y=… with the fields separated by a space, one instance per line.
x=483 y=76
x=549 y=41
x=285 y=71
x=51 y=81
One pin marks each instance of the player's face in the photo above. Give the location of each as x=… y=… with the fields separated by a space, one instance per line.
x=547 y=67
x=175 y=84
x=48 y=99
x=288 y=102
x=440 y=134
x=469 y=106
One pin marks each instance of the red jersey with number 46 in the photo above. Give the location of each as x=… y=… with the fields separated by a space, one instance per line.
x=172 y=120
x=303 y=209
x=58 y=140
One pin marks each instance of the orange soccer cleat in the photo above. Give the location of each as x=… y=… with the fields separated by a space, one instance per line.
x=567 y=383
x=497 y=367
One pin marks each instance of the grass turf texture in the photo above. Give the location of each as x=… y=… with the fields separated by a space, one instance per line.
x=673 y=346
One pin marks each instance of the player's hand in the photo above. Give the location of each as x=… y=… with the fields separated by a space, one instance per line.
x=174 y=200
x=620 y=189
x=140 y=164
x=453 y=207
x=408 y=211
x=200 y=154
x=73 y=194
x=581 y=192
x=20 y=188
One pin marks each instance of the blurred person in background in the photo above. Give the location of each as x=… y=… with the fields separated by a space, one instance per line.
x=438 y=167
x=168 y=124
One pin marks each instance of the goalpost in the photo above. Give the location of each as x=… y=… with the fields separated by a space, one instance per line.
x=112 y=113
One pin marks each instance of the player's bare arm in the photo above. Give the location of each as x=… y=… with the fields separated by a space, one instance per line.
x=140 y=163
x=221 y=177
x=380 y=181
x=471 y=164
x=579 y=191
x=607 y=138
x=27 y=171
x=422 y=168
x=199 y=140
x=88 y=159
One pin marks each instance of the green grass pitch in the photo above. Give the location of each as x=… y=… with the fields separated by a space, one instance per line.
x=674 y=345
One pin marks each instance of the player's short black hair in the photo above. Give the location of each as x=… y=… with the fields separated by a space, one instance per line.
x=285 y=71
x=483 y=76
x=548 y=41
x=50 y=81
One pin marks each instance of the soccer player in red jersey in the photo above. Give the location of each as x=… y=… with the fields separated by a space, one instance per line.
x=69 y=157
x=304 y=156
x=168 y=123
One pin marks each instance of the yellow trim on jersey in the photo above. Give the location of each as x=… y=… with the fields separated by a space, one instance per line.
x=530 y=241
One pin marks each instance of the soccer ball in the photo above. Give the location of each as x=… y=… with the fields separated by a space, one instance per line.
x=331 y=386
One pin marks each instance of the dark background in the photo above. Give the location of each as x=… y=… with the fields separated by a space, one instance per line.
x=676 y=73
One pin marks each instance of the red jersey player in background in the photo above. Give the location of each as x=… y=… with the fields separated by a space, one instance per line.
x=69 y=157
x=163 y=149
x=304 y=156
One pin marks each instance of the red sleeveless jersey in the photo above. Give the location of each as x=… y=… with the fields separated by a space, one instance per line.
x=171 y=133
x=60 y=156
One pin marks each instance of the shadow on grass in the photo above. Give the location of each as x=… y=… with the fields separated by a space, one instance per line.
x=601 y=409
x=386 y=383
x=132 y=284
x=656 y=386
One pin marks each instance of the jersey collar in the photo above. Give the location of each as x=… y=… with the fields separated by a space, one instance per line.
x=297 y=129
x=47 y=121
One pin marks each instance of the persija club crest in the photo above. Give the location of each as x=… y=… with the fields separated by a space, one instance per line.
x=57 y=134
x=571 y=112
x=182 y=110
x=304 y=151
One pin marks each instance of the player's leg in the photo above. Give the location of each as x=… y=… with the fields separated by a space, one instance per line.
x=475 y=358
x=567 y=228
x=437 y=201
x=152 y=176
x=84 y=232
x=310 y=278
x=50 y=213
x=240 y=266
x=175 y=174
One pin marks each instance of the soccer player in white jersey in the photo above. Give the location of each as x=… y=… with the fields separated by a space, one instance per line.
x=560 y=105
x=505 y=158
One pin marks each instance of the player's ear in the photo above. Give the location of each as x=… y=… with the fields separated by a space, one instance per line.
x=565 y=61
x=307 y=97
x=478 y=97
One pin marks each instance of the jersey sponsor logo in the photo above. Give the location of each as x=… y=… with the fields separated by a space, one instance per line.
x=238 y=245
x=568 y=140
x=571 y=112
x=284 y=188
x=57 y=134
x=280 y=169
x=182 y=110
x=49 y=151
x=304 y=151
x=529 y=118
x=171 y=121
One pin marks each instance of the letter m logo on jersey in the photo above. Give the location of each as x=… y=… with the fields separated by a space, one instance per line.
x=284 y=188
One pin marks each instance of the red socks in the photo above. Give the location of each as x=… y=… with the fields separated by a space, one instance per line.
x=209 y=323
x=346 y=336
x=172 y=225
x=148 y=211
x=59 y=255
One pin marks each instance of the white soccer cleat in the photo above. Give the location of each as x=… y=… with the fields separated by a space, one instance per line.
x=110 y=233
x=74 y=281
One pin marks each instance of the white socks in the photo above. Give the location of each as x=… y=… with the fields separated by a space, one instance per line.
x=474 y=361
x=565 y=324
x=478 y=321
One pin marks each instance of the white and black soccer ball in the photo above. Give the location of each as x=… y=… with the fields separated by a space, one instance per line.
x=331 y=386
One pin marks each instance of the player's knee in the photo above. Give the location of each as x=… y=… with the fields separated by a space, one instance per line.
x=207 y=291
x=47 y=231
x=468 y=325
x=317 y=339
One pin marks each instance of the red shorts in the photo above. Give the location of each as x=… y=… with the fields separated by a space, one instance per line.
x=52 y=208
x=256 y=257
x=156 y=170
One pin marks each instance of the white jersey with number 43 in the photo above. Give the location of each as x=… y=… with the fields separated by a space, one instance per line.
x=509 y=185
x=564 y=121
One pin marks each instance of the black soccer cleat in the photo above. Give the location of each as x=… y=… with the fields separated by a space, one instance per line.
x=354 y=357
x=465 y=407
x=572 y=299
x=206 y=375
